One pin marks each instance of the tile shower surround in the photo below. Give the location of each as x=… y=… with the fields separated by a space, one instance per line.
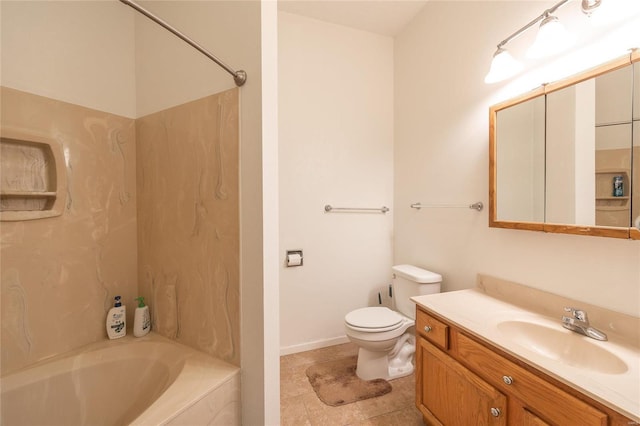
x=59 y=275
x=188 y=222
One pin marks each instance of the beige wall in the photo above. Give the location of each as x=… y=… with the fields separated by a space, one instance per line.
x=80 y=52
x=336 y=147
x=60 y=274
x=169 y=72
x=188 y=223
x=441 y=124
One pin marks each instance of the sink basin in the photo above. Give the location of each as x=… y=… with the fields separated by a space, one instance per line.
x=562 y=345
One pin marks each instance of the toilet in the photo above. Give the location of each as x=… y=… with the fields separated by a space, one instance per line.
x=386 y=338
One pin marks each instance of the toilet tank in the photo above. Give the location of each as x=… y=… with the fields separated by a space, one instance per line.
x=409 y=281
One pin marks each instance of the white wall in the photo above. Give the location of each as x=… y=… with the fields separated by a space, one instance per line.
x=78 y=52
x=336 y=147
x=441 y=130
x=270 y=195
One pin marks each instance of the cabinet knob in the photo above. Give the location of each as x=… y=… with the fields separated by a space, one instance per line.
x=427 y=328
x=495 y=412
x=507 y=379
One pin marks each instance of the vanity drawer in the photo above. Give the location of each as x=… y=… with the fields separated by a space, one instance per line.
x=535 y=393
x=432 y=329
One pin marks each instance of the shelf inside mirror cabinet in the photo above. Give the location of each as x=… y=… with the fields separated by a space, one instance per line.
x=605 y=182
x=612 y=210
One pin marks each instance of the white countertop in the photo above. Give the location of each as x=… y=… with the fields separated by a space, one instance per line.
x=478 y=313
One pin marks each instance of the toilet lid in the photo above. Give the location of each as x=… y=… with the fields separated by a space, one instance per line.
x=374 y=318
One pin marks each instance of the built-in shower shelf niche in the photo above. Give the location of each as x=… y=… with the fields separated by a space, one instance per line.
x=32 y=179
x=612 y=210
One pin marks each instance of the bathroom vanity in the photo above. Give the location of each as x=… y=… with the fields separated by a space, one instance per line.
x=498 y=355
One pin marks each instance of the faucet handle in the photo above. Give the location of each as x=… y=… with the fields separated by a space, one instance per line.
x=578 y=314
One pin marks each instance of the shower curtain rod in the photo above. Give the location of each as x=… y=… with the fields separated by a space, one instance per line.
x=240 y=76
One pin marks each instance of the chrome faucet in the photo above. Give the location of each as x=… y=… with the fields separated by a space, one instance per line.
x=579 y=323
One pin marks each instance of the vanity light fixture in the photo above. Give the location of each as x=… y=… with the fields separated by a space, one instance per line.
x=588 y=6
x=552 y=38
x=611 y=11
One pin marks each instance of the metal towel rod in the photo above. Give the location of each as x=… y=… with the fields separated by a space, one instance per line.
x=476 y=206
x=328 y=208
x=240 y=76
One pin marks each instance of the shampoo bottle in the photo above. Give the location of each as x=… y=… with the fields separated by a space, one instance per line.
x=141 y=320
x=117 y=320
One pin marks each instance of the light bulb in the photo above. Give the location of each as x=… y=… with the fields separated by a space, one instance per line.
x=502 y=67
x=552 y=38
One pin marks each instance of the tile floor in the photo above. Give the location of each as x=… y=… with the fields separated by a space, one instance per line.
x=299 y=405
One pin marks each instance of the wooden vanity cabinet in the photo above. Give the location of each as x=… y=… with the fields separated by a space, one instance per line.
x=453 y=395
x=463 y=381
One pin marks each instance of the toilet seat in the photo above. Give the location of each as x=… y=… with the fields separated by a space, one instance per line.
x=373 y=320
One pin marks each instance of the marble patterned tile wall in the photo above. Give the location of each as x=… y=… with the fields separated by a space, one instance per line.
x=635 y=184
x=60 y=274
x=188 y=222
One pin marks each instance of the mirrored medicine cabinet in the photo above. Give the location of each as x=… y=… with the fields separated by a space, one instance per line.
x=565 y=158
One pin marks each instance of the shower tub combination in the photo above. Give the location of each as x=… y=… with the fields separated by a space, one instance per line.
x=128 y=381
x=138 y=381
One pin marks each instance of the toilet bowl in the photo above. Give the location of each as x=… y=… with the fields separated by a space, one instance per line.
x=386 y=338
x=377 y=331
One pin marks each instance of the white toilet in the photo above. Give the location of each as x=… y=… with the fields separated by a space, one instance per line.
x=387 y=338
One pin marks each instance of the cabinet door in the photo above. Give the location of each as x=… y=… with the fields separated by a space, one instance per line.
x=536 y=393
x=449 y=394
x=531 y=419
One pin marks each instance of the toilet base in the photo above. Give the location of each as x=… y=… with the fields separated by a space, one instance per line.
x=387 y=365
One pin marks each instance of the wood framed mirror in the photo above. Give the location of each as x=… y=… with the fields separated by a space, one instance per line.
x=565 y=158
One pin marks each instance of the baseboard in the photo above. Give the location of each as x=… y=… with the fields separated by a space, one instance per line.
x=293 y=349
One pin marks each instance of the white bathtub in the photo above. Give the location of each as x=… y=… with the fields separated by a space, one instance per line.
x=140 y=381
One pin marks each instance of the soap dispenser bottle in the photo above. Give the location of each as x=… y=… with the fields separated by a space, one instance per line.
x=141 y=319
x=117 y=320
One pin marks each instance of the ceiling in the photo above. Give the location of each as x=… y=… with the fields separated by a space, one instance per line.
x=385 y=17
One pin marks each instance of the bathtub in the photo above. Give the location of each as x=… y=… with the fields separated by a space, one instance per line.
x=138 y=381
